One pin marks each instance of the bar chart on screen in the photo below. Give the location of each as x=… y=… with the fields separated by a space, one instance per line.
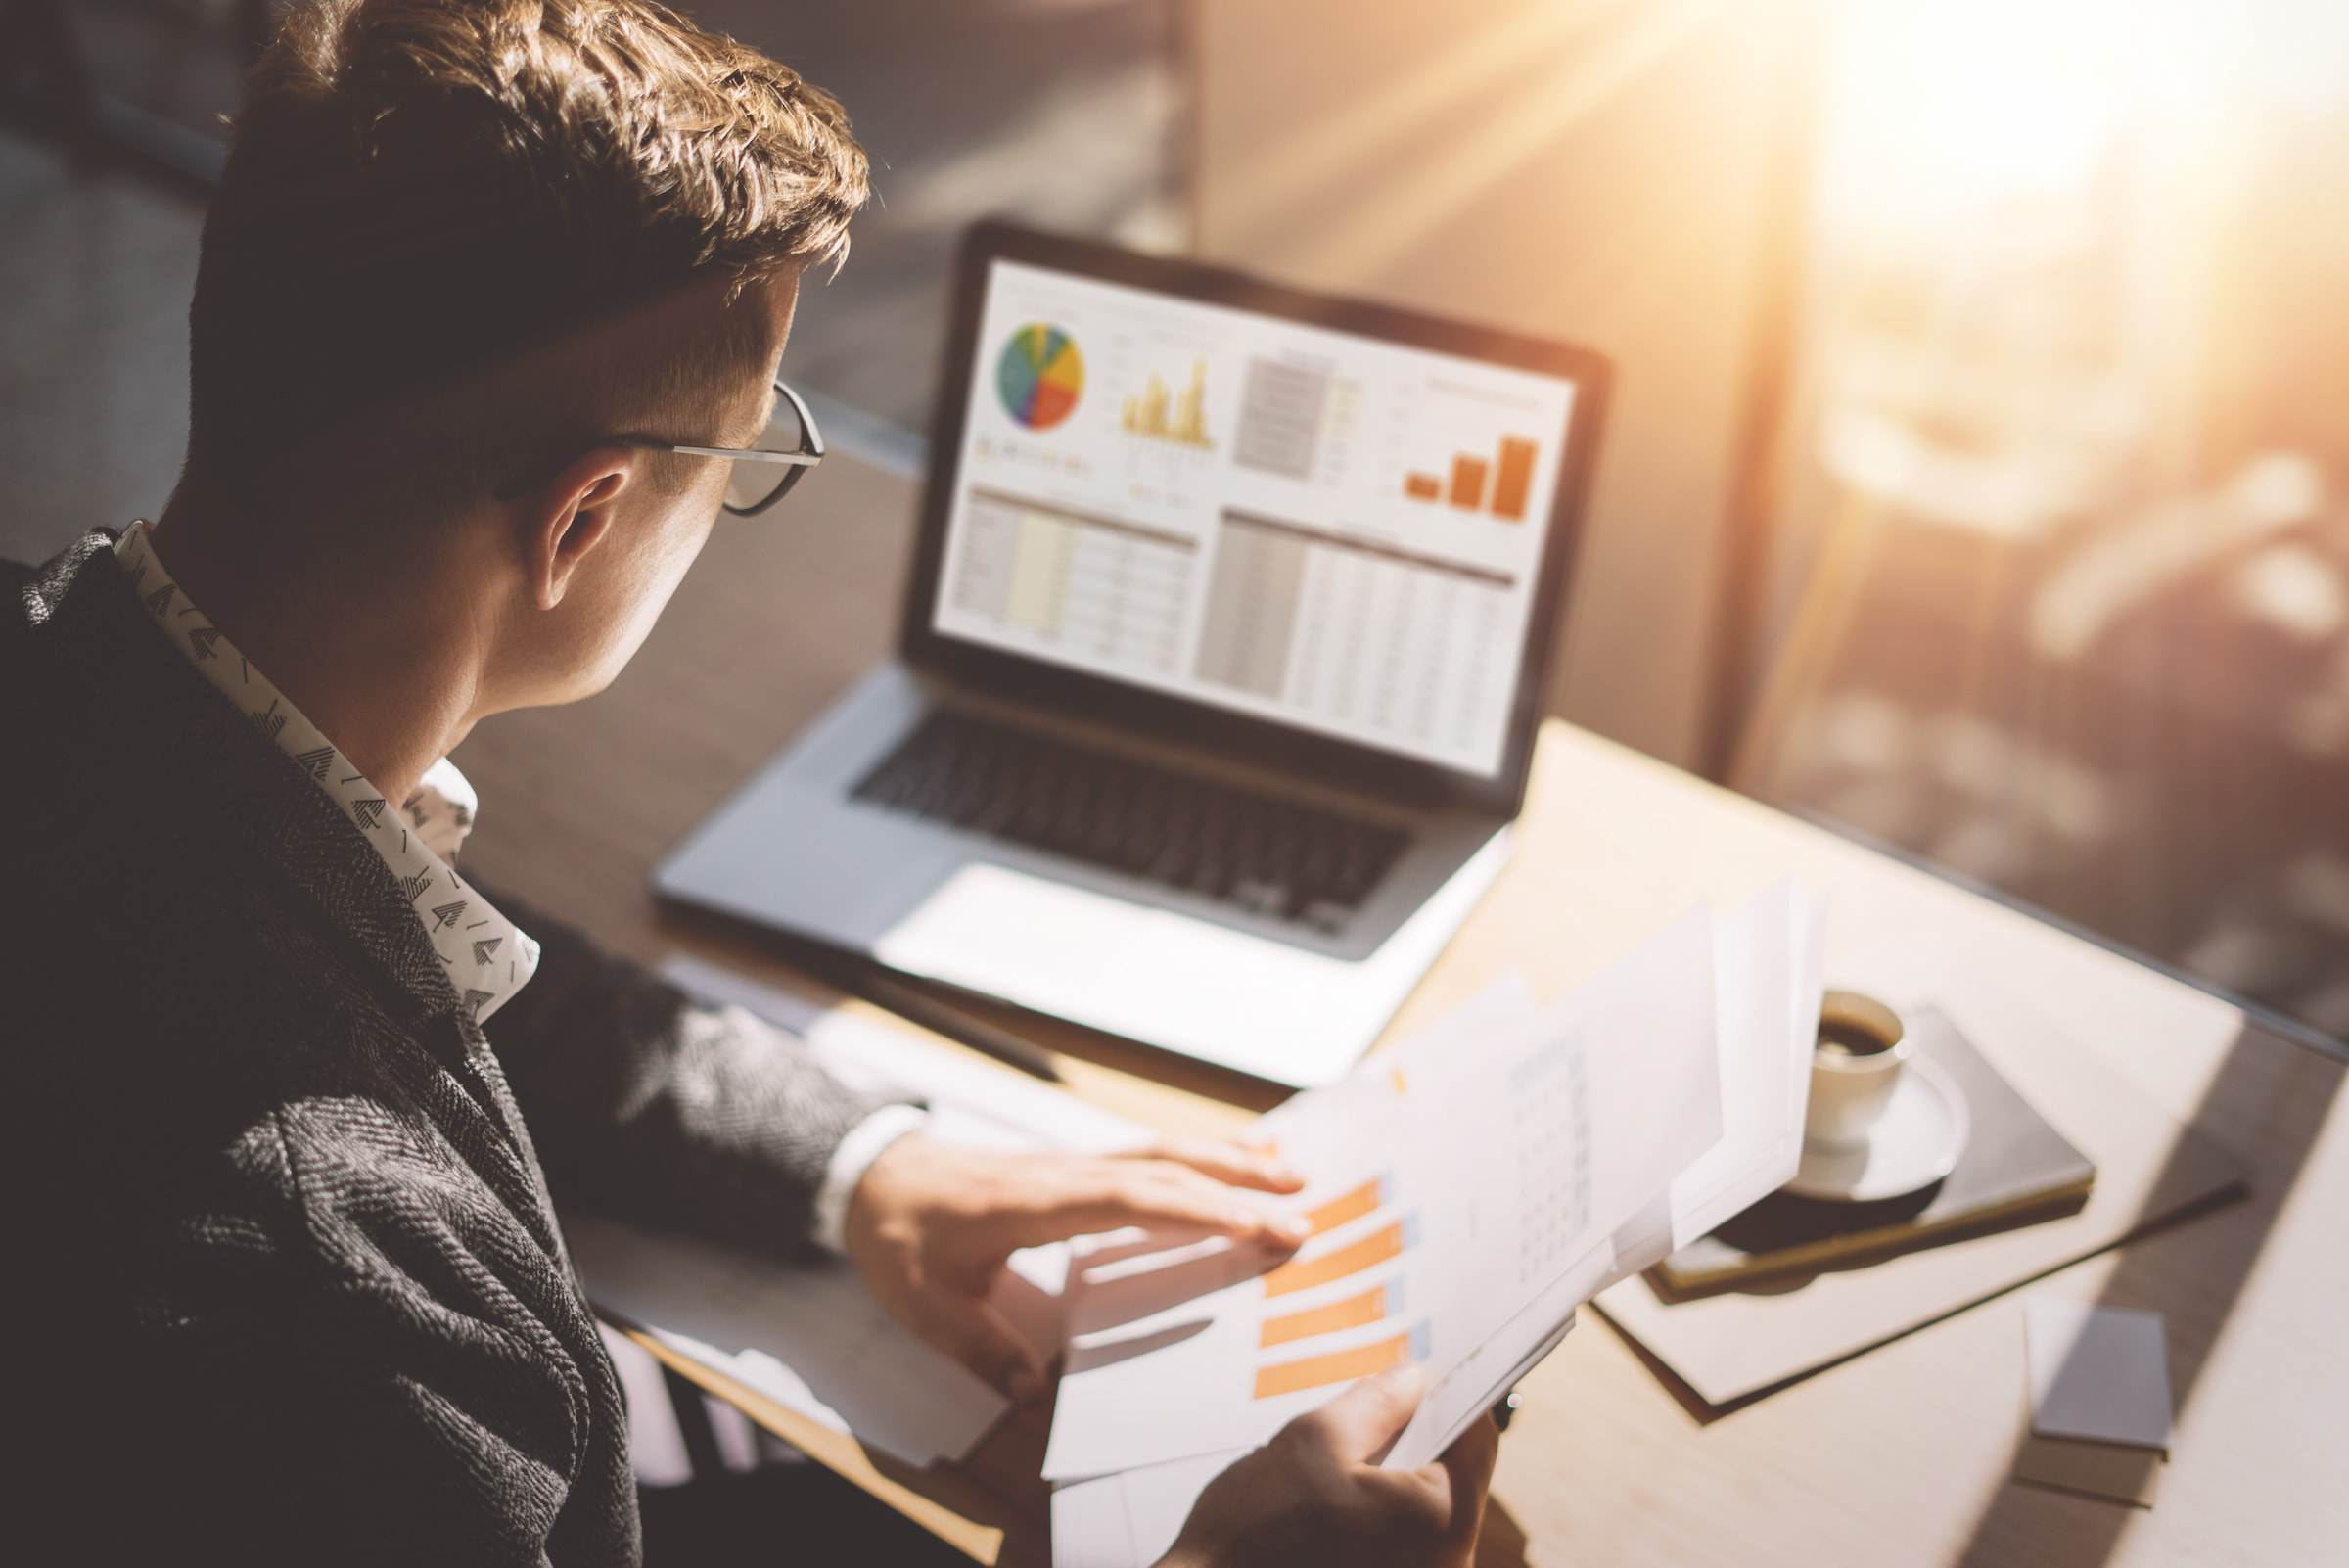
x=1499 y=485
x=1157 y=414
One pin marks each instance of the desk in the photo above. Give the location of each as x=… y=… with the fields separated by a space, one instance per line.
x=1899 y=1457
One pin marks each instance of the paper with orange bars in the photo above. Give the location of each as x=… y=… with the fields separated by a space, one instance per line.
x=1339 y=1366
x=1470 y=1187
x=1388 y=1241
x=1370 y=1307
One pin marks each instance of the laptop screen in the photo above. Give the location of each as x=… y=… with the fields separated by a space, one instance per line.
x=1330 y=531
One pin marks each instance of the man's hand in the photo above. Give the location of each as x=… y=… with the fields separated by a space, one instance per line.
x=931 y=1225
x=1314 y=1496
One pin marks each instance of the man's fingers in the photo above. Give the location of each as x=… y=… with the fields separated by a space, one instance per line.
x=1361 y=1424
x=1446 y=1498
x=974 y=1334
x=1136 y=1196
x=1228 y=1163
x=1474 y=1453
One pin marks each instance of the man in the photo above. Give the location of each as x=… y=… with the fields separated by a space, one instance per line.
x=290 y=1093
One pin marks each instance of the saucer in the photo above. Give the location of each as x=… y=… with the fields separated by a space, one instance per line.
x=1913 y=1144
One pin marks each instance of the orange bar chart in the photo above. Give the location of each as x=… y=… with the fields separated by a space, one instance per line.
x=1350 y=1205
x=1339 y=1366
x=1515 y=481
x=1503 y=485
x=1467 y=491
x=1342 y=1366
x=1372 y=1249
x=1351 y=1313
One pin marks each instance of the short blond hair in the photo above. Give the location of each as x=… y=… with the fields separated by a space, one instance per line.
x=419 y=186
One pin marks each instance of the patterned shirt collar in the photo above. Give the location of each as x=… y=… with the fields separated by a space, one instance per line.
x=489 y=957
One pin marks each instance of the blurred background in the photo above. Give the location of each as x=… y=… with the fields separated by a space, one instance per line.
x=1979 y=478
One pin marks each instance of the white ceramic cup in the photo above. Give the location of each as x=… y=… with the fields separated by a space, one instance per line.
x=1856 y=1066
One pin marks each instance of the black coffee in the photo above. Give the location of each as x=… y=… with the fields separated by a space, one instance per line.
x=1845 y=1038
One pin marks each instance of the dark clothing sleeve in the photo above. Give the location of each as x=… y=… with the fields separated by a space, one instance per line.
x=351 y=1380
x=646 y=1106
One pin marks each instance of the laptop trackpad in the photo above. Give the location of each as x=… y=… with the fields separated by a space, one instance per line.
x=1246 y=1002
x=988 y=919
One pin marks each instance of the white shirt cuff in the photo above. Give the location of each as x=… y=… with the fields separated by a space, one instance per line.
x=866 y=1142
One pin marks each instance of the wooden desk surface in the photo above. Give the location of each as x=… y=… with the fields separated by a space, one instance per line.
x=1899 y=1457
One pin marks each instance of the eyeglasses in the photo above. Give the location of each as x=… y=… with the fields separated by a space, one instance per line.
x=763 y=473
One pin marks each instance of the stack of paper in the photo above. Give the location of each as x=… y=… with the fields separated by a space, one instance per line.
x=1470 y=1188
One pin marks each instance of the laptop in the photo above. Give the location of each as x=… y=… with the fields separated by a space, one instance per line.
x=1220 y=665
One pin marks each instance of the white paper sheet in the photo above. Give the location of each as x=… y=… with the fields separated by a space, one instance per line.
x=1767 y=958
x=1767 y=987
x=657 y=1453
x=1470 y=1181
x=1131 y=1518
x=813 y=1338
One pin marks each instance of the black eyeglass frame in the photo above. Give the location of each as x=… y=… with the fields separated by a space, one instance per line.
x=809 y=454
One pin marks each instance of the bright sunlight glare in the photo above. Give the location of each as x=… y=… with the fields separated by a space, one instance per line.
x=1949 y=107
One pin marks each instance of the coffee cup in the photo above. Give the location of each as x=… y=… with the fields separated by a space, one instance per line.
x=1854 y=1068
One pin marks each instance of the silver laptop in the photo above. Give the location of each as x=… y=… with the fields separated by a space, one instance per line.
x=1221 y=664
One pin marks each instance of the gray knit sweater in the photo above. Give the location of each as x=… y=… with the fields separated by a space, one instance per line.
x=284 y=1258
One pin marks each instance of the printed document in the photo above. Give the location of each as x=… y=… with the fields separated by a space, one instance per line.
x=1470 y=1188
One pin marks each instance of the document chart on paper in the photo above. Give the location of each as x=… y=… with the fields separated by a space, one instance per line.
x=1550 y=1111
x=1306 y=526
x=1498 y=1205
x=1202 y=1348
x=1462 y=1181
x=1531 y=1158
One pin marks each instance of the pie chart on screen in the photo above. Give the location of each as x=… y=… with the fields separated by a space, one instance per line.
x=1040 y=375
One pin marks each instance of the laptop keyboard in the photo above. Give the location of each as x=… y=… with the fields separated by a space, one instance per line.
x=1274 y=856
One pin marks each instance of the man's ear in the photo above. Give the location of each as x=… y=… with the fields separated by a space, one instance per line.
x=568 y=517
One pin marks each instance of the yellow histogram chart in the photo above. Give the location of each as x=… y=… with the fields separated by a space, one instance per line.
x=1157 y=413
x=1335 y=1309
